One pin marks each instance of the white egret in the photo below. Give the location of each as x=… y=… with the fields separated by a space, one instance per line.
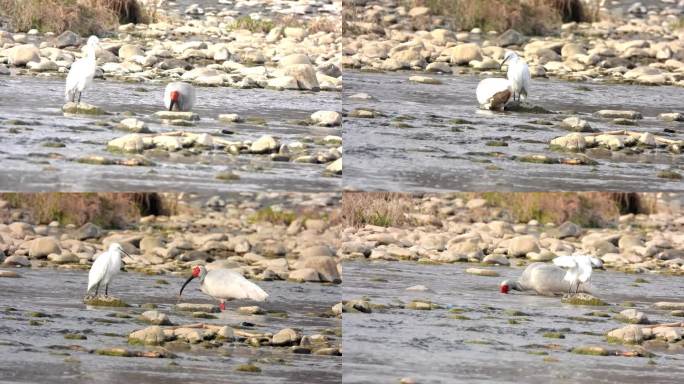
x=542 y=278
x=179 y=95
x=224 y=284
x=81 y=72
x=105 y=266
x=493 y=93
x=518 y=74
x=579 y=268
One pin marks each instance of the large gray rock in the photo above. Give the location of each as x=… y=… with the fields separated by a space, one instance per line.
x=67 y=39
x=88 y=231
x=155 y=317
x=264 y=144
x=153 y=335
x=285 y=337
x=465 y=53
x=326 y=267
x=510 y=37
x=43 y=246
x=522 y=245
x=21 y=55
x=132 y=143
x=305 y=76
x=631 y=334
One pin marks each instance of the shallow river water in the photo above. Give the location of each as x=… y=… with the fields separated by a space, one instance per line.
x=434 y=137
x=59 y=295
x=31 y=121
x=441 y=346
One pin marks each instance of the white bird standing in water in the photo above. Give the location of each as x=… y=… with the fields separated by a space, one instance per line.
x=224 y=284
x=179 y=95
x=105 y=266
x=579 y=268
x=81 y=72
x=518 y=74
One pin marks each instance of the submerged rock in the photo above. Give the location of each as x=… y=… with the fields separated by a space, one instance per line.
x=576 y=124
x=574 y=142
x=153 y=335
x=582 y=299
x=176 y=115
x=630 y=334
x=192 y=307
x=327 y=118
x=613 y=114
x=82 y=109
x=102 y=301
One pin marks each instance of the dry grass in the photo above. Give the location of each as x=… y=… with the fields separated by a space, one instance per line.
x=588 y=209
x=385 y=209
x=108 y=210
x=679 y=24
x=313 y=25
x=532 y=17
x=85 y=17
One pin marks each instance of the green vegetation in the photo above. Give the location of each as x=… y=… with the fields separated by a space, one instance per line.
x=248 y=368
x=272 y=216
x=252 y=25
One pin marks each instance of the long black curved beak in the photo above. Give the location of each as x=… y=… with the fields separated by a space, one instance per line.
x=171 y=104
x=186 y=283
x=123 y=262
x=502 y=63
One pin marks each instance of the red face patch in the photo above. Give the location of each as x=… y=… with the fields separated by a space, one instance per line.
x=196 y=271
x=504 y=288
x=174 y=96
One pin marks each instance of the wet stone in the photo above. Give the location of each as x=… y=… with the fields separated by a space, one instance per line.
x=177 y=115
x=582 y=299
x=193 y=307
x=82 y=109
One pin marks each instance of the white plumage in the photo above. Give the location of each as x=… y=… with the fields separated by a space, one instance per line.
x=493 y=93
x=518 y=74
x=579 y=268
x=105 y=266
x=224 y=284
x=81 y=72
x=182 y=100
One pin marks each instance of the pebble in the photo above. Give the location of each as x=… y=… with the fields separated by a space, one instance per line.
x=482 y=272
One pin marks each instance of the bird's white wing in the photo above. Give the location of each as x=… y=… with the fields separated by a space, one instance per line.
x=98 y=270
x=545 y=279
x=487 y=88
x=227 y=284
x=167 y=95
x=72 y=78
x=525 y=79
x=584 y=266
x=565 y=261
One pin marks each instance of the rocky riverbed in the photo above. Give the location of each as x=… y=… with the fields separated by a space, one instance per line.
x=430 y=289
x=267 y=112
x=150 y=335
x=411 y=90
x=634 y=47
x=424 y=320
x=447 y=229
x=433 y=137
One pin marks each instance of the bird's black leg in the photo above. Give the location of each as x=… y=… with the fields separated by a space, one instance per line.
x=106 y=289
x=79 y=97
x=97 y=289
